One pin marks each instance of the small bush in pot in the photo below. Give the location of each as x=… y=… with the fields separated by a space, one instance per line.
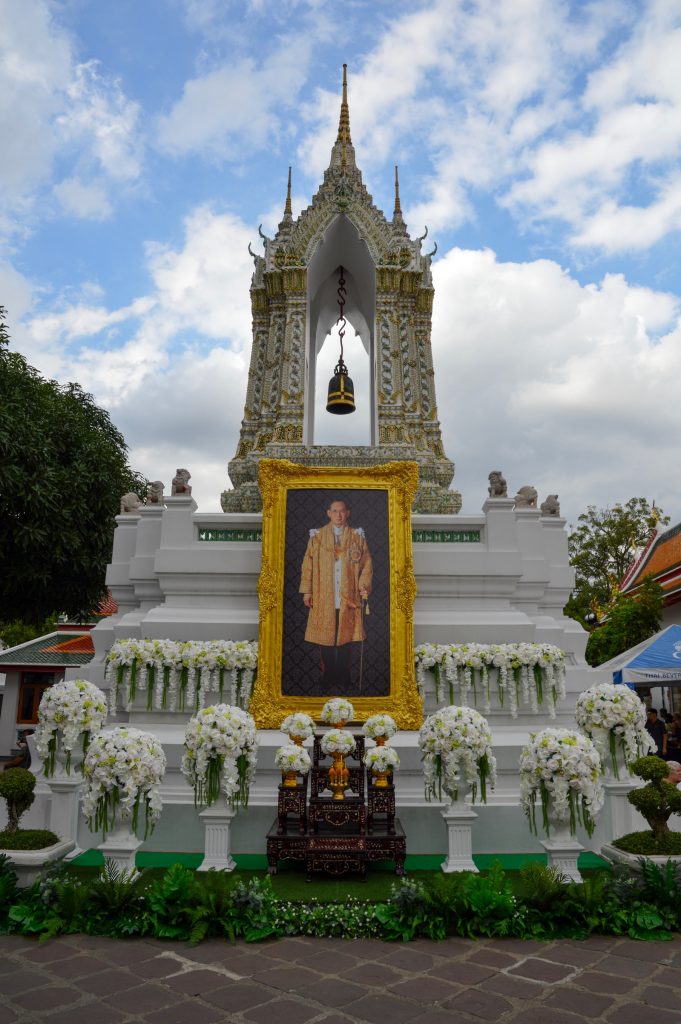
x=656 y=802
x=17 y=787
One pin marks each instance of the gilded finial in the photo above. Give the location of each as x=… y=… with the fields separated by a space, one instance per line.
x=344 y=120
x=288 y=211
x=398 y=208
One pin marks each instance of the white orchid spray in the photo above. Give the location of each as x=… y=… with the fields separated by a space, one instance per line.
x=456 y=745
x=619 y=711
x=562 y=769
x=221 y=748
x=123 y=769
x=68 y=710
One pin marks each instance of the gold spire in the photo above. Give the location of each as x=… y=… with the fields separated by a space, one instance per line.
x=398 y=208
x=344 y=120
x=288 y=211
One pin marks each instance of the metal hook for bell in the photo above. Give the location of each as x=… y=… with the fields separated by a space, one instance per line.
x=341 y=394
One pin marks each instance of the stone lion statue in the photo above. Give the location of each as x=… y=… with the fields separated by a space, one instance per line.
x=498 y=487
x=550 y=507
x=180 y=484
x=155 y=493
x=130 y=503
x=526 y=497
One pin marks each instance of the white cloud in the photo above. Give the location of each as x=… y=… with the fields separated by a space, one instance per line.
x=89 y=202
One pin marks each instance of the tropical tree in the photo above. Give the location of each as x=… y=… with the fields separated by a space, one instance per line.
x=602 y=548
x=631 y=620
x=63 y=469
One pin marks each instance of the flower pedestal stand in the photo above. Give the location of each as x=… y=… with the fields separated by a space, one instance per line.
x=562 y=851
x=217 y=821
x=121 y=847
x=618 y=814
x=459 y=819
x=65 y=790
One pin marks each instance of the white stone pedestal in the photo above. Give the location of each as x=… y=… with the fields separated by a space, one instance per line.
x=562 y=851
x=121 y=847
x=217 y=821
x=65 y=790
x=459 y=819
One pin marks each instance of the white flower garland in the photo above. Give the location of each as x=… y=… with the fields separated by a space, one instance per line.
x=379 y=725
x=123 y=769
x=457 y=741
x=72 y=708
x=177 y=675
x=382 y=759
x=298 y=724
x=293 y=759
x=336 y=711
x=221 y=748
x=563 y=768
x=525 y=673
x=618 y=710
x=338 y=741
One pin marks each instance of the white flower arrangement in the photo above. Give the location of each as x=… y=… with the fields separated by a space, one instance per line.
x=525 y=674
x=177 y=675
x=382 y=759
x=336 y=711
x=123 y=769
x=221 y=747
x=298 y=724
x=563 y=769
x=379 y=726
x=620 y=712
x=456 y=742
x=338 y=741
x=72 y=708
x=293 y=759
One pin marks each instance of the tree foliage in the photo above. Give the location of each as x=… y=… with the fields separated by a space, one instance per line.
x=63 y=469
x=631 y=620
x=602 y=549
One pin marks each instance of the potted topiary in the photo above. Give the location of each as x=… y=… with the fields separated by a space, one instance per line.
x=656 y=802
x=28 y=849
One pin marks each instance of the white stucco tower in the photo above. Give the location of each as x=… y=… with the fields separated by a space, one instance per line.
x=389 y=303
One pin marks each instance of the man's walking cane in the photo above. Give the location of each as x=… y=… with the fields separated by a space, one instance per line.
x=365 y=611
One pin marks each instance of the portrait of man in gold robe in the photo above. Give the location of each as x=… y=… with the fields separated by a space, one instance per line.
x=335 y=584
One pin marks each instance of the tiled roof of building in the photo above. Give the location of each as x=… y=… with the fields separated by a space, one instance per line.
x=662 y=559
x=60 y=649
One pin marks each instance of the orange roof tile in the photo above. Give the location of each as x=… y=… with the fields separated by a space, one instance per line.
x=76 y=645
x=664 y=557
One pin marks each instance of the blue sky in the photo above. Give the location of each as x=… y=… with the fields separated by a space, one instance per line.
x=539 y=140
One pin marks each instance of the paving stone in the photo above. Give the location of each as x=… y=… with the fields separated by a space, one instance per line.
x=463 y=972
x=194 y=983
x=367 y=949
x=239 y=996
x=212 y=951
x=624 y=967
x=540 y=970
x=406 y=960
x=333 y=992
x=331 y=961
x=288 y=949
x=189 y=1012
x=8 y=1015
x=544 y=1015
x=667 y=976
x=142 y=999
x=49 y=953
x=106 y=982
x=157 y=967
x=47 y=998
x=22 y=981
x=334 y=1018
x=247 y=964
x=492 y=958
x=373 y=974
x=441 y=1017
x=382 y=1008
x=578 y=956
x=479 y=1003
x=665 y=997
x=16 y=943
x=653 y=951
x=77 y=966
x=425 y=989
x=125 y=953
x=288 y=979
x=636 y=1013
x=523 y=947
x=586 y=1004
x=596 y=981
x=284 y=1011
x=514 y=987
x=87 y=1014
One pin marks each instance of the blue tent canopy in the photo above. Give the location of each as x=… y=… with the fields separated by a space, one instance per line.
x=657 y=664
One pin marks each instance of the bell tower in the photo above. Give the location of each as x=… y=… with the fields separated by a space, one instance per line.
x=389 y=302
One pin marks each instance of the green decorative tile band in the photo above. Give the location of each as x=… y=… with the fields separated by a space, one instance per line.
x=445 y=536
x=230 y=535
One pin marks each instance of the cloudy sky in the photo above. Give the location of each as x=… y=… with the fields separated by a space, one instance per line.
x=539 y=140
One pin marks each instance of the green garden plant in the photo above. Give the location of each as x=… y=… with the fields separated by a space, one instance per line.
x=656 y=802
x=17 y=787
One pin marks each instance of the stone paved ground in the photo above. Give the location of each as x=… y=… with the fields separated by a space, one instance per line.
x=84 y=980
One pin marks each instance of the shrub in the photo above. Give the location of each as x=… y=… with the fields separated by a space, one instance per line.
x=27 y=839
x=16 y=788
x=657 y=800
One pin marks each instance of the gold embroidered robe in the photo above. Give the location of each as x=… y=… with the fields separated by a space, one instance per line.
x=317 y=578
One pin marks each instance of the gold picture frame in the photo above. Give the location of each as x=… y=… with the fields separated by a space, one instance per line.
x=389 y=491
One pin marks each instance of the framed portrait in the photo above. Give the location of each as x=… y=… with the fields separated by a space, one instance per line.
x=336 y=592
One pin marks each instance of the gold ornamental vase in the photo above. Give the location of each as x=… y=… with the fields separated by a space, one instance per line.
x=297 y=740
x=381 y=779
x=338 y=777
x=379 y=741
x=289 y=779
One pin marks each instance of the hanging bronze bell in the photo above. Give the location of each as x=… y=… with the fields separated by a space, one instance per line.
x=341 y=396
